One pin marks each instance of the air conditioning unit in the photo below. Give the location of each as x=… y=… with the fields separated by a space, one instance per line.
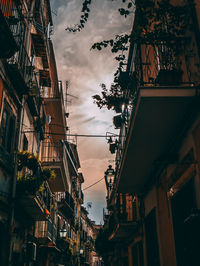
x=31 y=251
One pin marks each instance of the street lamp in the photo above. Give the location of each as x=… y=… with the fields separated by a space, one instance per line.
x=109 y=177
x=63 y=233
x=81 y=251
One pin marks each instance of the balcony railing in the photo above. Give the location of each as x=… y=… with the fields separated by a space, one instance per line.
x=159 y=65
x=65 y=197
x=82 y=196
x=125 y=213
x=46 y=231
x=52 y=152
x=34 y=194
x=71 y=155
x=8 y=45
x=21 y=68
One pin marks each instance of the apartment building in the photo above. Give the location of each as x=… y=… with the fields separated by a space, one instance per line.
x=156 y=176
x=40 y=186
x=87 y=240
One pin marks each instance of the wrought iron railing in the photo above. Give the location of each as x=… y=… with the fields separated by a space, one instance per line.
x=125 y=211
x=71 y=155
x=15 y=16
x=65 y=196
x=46 y=230
x=53 y=92
x=159 y=65
x=151 y=65
x=52 y=152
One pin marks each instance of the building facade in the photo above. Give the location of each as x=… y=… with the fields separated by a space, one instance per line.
x=153 y=201
x=40 y=182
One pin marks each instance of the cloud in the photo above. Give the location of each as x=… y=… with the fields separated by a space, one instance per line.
x=86 y=69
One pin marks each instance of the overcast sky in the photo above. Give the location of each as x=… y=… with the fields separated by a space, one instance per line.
x=86 y=69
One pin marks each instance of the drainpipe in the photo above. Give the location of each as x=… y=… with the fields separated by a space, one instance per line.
x=14 y=180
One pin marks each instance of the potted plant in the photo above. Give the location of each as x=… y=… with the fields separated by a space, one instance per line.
x=117 y=121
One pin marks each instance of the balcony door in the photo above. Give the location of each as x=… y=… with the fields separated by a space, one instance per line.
x=186 y=226
x=152 y=248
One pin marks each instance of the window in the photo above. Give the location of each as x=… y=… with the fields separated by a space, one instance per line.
x=7 y=130
x=25 y=143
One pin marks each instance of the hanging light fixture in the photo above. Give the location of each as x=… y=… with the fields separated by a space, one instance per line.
x=109 y=177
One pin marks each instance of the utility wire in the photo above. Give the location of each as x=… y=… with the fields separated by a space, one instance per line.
x=93 y=184
x=73 y=135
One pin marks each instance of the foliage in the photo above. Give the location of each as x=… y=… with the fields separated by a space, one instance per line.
x=155 y=23
x=31 y=176
x=86 y=10
x=27 y=159
x=28 y=183
x=112 y=99
x=48 y=173
x=84 y=17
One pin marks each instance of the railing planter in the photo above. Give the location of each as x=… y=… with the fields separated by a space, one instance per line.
x=28 y=185
x=32 y=176
x=117 y=121
x=27 y=159
x=48 y=173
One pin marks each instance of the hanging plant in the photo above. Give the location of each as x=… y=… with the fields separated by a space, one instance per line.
x=32 y=178
x=28 y=183
x=27 y=159
x=111 y=99
x=48 y=173
x=157 y=23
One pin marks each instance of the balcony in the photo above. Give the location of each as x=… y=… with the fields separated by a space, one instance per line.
x=8 y=45
x=36 y=203
x=40 y=36
x=19 y=67
x=65 y=204
x=54 y=106
x=40 y=121
x=40 y=44
x=124 y=219
x=33 y=99
x=81 y=197
x=72 y=159
x=54 y=156
x=161 y=112
x=45 y=232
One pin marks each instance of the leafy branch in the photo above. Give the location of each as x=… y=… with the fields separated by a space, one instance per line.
x=86 y=10
x=155 y=24
x=84 y=17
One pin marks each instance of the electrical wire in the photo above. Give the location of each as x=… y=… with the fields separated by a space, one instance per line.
x=94 y=184
x=71 y=135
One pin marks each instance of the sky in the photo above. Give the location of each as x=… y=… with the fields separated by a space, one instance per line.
x=86 y=69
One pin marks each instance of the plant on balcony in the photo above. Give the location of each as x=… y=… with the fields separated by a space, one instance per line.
x=159 y=24
x=28 y=183
x=48 y=173
x=31 y=176
x=27 y=159
x=111 y=99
